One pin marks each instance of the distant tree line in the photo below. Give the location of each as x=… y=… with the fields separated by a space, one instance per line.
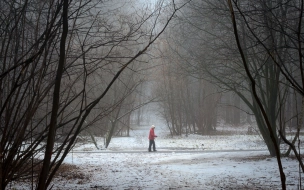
x=204 y=81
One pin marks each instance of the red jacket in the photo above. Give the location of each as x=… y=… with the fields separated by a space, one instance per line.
x=151 y=134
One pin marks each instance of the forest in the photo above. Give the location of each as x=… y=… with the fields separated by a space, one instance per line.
x=96 y=68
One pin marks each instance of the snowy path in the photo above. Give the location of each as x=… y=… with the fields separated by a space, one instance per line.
x=238 y=169
x=224 y=162
x=169 y=151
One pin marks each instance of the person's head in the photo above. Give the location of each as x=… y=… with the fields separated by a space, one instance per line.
x=153 y=126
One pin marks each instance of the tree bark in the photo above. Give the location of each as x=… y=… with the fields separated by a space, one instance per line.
x=56 y=98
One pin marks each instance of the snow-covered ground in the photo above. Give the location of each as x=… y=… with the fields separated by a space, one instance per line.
x=194 y=162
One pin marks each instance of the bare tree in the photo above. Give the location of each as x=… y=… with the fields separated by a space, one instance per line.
x=51 y=52
x=206 y=50
x=285 y=62
x=189 y=103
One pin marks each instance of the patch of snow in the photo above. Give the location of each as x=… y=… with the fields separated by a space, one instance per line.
x=194 y=162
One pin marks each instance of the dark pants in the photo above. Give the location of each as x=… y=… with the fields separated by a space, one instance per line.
x=152 y=142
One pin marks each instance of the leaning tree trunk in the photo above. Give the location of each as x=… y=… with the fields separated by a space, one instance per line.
x=256 y=98
x=265 y=132
x=56 y=97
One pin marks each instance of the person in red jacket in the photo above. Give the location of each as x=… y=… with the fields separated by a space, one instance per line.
x=151 y=138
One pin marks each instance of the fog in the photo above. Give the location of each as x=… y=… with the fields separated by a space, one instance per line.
x=94 y=68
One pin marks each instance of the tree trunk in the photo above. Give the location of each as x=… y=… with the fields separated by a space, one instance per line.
x=236 y=110
x=56 y=97
x=256 y=98
x=110 y=133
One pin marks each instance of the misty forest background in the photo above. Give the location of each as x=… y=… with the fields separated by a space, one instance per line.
x=91 y=68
